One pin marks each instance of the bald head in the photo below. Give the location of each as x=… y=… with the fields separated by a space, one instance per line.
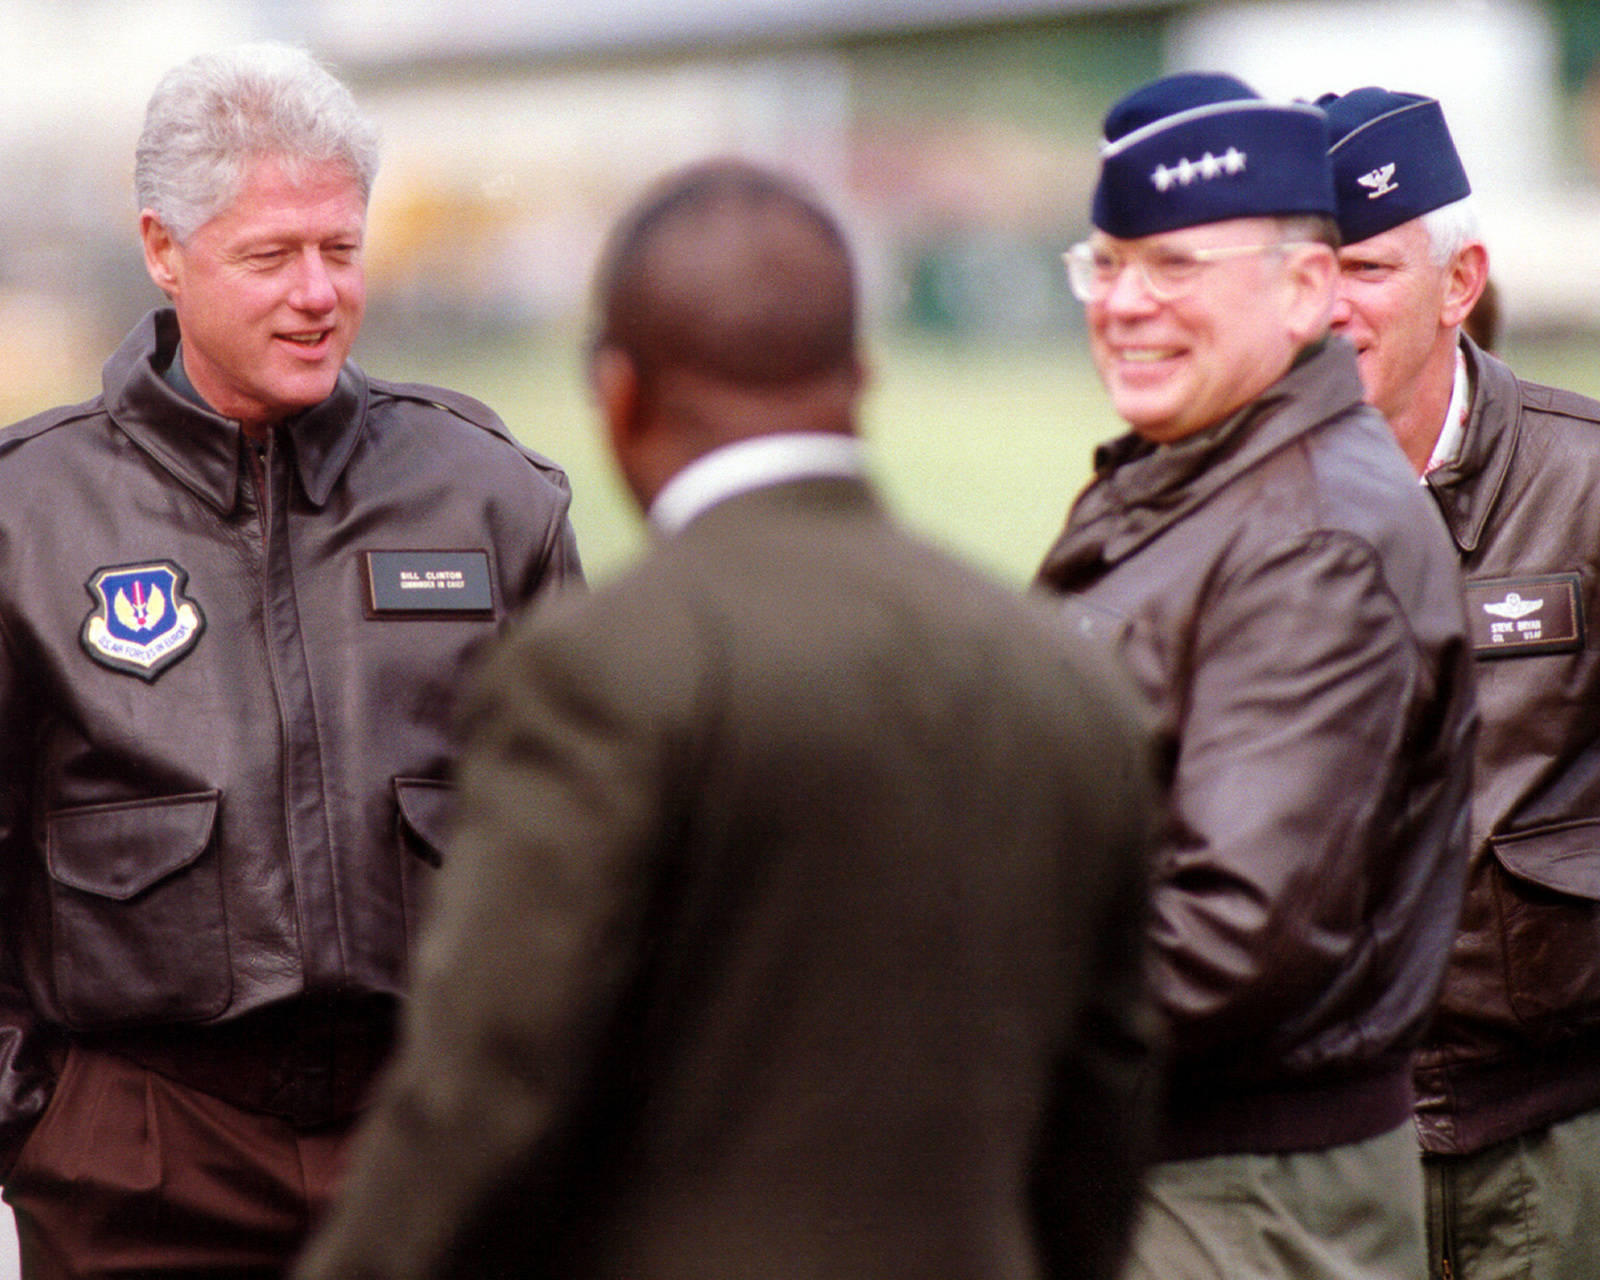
x=727 y=310
x=731 y=273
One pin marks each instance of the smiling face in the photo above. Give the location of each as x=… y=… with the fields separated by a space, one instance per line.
x=1400 y=309
x=270 y=292
x=1174 y=367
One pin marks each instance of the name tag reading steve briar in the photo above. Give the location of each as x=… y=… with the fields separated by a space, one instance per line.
x=428 y=584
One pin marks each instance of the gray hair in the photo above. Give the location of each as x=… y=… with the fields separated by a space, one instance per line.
x=1451 y=227
x=211 y=116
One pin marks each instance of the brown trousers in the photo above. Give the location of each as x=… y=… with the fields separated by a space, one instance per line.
x=132 y=1175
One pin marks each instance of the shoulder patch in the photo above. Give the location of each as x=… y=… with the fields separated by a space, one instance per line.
x=142 y=622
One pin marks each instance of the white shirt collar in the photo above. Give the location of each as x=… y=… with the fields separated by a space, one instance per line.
x=1448 y=444
x=753 y=464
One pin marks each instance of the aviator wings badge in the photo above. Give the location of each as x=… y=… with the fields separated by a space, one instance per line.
x=1513 y=607
x=141 y=623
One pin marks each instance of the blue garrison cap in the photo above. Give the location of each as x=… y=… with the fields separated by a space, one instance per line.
x=1393 y=159
x=1204 y=147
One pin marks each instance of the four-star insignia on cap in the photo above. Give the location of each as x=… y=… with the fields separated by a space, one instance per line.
x=1205 y=168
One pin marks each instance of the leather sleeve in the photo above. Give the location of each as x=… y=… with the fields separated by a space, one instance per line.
x=26 y=1077
x=1291 y=741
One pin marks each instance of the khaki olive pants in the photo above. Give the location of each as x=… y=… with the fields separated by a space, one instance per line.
x=1345 y=1213
x=1524 y=1209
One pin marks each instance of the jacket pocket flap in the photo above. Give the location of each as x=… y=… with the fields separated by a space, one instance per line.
x=426 y=807
x=119 y=850
x=1565 y=858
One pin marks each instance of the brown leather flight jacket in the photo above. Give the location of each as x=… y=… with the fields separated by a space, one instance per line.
x=1286 y=595
x=1516 y=1042
x=226 y=721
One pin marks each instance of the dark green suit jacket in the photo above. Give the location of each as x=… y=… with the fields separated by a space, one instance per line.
x=792 y=931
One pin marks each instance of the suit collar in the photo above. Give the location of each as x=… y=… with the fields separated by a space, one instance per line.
x=753 y=464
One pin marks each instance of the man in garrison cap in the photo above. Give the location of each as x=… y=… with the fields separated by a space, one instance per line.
x=1508 y=1080
x=1260 y=553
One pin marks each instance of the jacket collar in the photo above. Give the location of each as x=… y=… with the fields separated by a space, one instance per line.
x=1141 y=490
x=1467 y=487
x=201 y=449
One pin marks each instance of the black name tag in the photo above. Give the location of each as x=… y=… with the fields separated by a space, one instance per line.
x=1514 y=617
x=431 y=584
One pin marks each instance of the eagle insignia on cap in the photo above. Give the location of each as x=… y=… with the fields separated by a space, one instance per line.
x=141 y=623
x=1379 y=181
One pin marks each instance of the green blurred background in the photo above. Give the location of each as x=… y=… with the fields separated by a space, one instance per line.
x=979 y=444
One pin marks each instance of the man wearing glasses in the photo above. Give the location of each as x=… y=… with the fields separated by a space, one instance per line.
x=1261 y=554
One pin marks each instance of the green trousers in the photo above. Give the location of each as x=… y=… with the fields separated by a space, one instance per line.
x=1524 y=1209
x=1344 y=1213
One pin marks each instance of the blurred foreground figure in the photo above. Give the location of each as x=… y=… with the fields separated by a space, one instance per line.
x=227 y=665
x=1508 y=1079
x=794 y=926
x=1258 y=550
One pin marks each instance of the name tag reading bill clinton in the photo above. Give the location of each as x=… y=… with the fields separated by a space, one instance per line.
x=1516 y=617
x=428 y=584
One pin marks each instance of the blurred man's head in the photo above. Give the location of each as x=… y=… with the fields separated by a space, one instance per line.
x=726 y=309
x=1413 y=262
x=1211 y=265
x=253 y=173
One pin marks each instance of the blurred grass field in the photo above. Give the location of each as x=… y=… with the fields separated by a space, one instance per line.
x=980 y=445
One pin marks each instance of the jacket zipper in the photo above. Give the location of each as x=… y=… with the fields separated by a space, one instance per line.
x=259 y=451
x=306 y=836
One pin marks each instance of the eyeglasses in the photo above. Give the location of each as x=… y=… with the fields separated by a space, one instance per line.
x=1167 y=274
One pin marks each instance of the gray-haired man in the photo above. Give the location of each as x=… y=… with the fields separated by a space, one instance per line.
x=237 y=589
x=1508 y=1079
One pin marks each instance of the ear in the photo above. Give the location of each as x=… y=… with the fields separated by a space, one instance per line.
x=1311 y=282
x=1464 y=284
x=614 y=378
x=160 y=253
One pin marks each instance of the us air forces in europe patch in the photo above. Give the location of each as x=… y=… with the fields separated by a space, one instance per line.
x=142 y=623
x=1514 y=617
